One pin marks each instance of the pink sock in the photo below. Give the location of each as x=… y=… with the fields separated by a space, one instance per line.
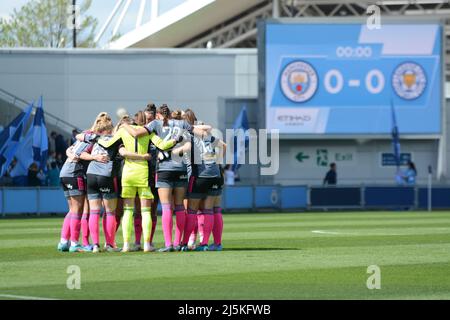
x=199 y=227
x=75 y=227
x=207 y=220
x=193 y=237
x=94 y=227
x=137 y=228
x=85 y=229
x=167 y=223
x=218 y=226
x=191 y=221
x=65 y=231
x=180 y=220
x=105 y=231
x=154 y=224
x=110 y=230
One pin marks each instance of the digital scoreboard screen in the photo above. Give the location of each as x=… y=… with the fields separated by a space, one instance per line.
x=341 y=78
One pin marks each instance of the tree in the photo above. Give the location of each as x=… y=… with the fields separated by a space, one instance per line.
x=45 y=23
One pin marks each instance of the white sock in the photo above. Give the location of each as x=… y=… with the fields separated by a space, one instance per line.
x=73 y=243
x=63 y=241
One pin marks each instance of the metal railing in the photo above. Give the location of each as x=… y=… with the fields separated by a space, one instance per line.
x=22 y=104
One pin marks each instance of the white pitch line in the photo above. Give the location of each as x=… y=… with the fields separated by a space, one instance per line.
x=24 y=297
x=325 y=232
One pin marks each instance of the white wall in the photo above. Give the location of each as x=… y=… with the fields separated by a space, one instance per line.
x=77 y=85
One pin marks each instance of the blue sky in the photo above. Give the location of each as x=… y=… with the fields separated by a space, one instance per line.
x=101 y=10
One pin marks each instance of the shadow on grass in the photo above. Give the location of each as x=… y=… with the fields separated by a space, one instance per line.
x=261 y=249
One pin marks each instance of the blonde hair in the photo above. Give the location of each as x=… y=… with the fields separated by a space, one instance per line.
x=102 y=125
x=139 y=118
x=177 y=115
x=105 y=126
x=101 y=116
x=124 y=119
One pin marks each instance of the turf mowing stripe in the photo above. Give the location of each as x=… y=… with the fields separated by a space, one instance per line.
x=43 y=240
x=11 y=296
x=336 y=283
x=326 y=232
x=326 y=223
x=137 y=265
x=250 y=266
x=333 y=217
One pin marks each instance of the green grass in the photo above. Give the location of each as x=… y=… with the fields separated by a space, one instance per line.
x=267 y=256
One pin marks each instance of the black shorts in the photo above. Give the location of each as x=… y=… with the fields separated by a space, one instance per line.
x=100 y=187
x=152 y=183
x=73 y=186
x=200 y=188
x=119 y=186
x=171 y=179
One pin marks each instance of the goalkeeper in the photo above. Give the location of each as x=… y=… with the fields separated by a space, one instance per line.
x=135 y=180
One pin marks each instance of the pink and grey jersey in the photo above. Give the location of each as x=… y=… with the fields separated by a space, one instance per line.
x=173 y=128
x=203 y=158
x=76 y=169
x=109 y=169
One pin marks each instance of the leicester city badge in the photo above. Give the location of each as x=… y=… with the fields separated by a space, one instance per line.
x=299 y=81
x=409 y=81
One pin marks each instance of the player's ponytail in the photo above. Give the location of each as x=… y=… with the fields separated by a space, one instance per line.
x=164 y=111
x=177 y=115
x=100 y=117
x=189 y=117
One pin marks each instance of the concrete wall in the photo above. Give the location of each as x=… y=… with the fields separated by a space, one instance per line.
x=78 y=85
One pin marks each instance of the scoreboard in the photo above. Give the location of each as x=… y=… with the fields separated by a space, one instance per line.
x=335 y=79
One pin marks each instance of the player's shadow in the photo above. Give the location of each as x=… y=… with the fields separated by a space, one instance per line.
x=260 y=249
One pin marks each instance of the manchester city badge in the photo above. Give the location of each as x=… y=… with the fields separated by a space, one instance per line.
x=299 y=81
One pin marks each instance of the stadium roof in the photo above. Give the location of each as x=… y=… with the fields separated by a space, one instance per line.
x=233 y=23
x=183 y=22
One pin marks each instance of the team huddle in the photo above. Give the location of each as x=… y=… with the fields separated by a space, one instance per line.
x=124 y=171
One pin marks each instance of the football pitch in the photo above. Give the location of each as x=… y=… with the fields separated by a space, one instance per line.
x=266 y=256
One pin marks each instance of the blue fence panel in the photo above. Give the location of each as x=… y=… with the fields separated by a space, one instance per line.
x=389 y=196
x=20 y=201
x=266 y=197
x=294 y=197
x=440 y=198
x=335 y=196
x=238 y=197
x=52 y=201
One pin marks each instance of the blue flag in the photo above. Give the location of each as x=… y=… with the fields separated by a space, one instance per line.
x=241 y=123
x=395 y=136
x=10 y=138
x=24 y=156
x=40 y=138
